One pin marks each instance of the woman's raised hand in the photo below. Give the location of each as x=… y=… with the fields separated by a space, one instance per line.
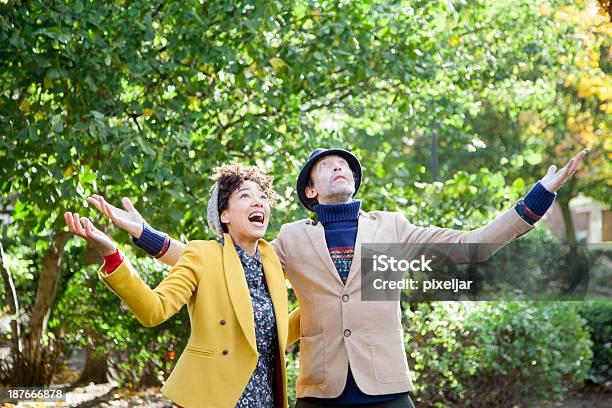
x=130 y=221
x=84 y=228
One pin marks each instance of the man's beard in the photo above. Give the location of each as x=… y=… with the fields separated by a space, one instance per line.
x=340 y=195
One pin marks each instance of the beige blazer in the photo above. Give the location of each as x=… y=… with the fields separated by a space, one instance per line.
x=337 y=328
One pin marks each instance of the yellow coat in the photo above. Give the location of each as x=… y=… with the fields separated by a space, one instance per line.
x=221 y=353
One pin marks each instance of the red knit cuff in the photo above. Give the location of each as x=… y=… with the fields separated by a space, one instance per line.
x=112 y=261
x=165 y=247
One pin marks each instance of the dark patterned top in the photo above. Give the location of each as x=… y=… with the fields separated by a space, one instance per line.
x=259 y=392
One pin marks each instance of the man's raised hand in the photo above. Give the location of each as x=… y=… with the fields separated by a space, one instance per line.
x=554 y=179
x=130 y=221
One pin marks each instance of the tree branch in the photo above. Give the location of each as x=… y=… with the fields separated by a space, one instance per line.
x=13 y=301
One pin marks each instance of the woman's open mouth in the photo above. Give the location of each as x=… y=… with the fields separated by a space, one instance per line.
x=257 y=218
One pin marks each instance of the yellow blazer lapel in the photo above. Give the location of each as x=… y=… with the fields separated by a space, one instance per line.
x=316 y=234
x=277 y=288
x=366 y=228
x=238 y=290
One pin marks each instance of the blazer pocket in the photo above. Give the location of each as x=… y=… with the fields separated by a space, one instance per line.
x=313 y=367
x=388 y=355
x=199 y=351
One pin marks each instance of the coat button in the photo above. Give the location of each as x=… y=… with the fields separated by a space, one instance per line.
x=347 y=333
x=345 y=298
x=225 y=352
x=222 y=322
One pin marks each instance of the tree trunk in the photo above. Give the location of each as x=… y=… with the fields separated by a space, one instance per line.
x=45 y=295
x=96 y=369
x=570 y=231
x=149 y=376
x=92 y=256
x=564 y=197
x=575 y=272
x=11 y=294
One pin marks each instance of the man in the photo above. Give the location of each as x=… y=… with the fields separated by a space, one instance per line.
x=351 y=351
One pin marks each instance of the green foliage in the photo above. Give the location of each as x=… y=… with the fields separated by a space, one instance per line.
x=495 y=353
x=598 y=316
x=292 y=363
x=540 y=266
x=262 y=83
x=22 y=261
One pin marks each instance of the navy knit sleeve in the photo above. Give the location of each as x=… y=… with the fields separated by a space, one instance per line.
x=154 y=242
x=535 y=204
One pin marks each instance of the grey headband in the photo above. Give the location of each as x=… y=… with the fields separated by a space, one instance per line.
x=214 y=218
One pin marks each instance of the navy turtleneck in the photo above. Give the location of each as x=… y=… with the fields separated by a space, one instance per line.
x=340 y=223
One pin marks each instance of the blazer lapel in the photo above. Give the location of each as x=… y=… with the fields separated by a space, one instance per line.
x=278 y=290
x=238 y=290
x=366 y=228
x=316 y=235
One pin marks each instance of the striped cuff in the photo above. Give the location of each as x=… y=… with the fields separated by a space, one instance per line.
x=539 y=199
x=535 y=204
x=520 y=209
x=155 y=243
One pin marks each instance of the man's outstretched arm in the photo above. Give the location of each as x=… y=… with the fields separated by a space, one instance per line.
x=507 y=226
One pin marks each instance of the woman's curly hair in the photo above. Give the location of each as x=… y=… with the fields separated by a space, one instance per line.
x=231 y=176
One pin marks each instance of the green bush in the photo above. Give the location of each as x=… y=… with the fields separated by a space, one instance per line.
x=482 y=354
x=293 y=369
x=538 y=266
x=598 y=316
x=502 y=354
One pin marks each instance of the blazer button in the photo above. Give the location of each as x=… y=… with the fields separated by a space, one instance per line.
x=347 y=333
x=222 y=322
x=225 y=352
x=345 y=298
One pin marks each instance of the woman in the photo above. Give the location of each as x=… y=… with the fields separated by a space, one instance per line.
x=231 y=358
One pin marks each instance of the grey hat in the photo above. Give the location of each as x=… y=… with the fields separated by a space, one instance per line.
x=214 y=218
